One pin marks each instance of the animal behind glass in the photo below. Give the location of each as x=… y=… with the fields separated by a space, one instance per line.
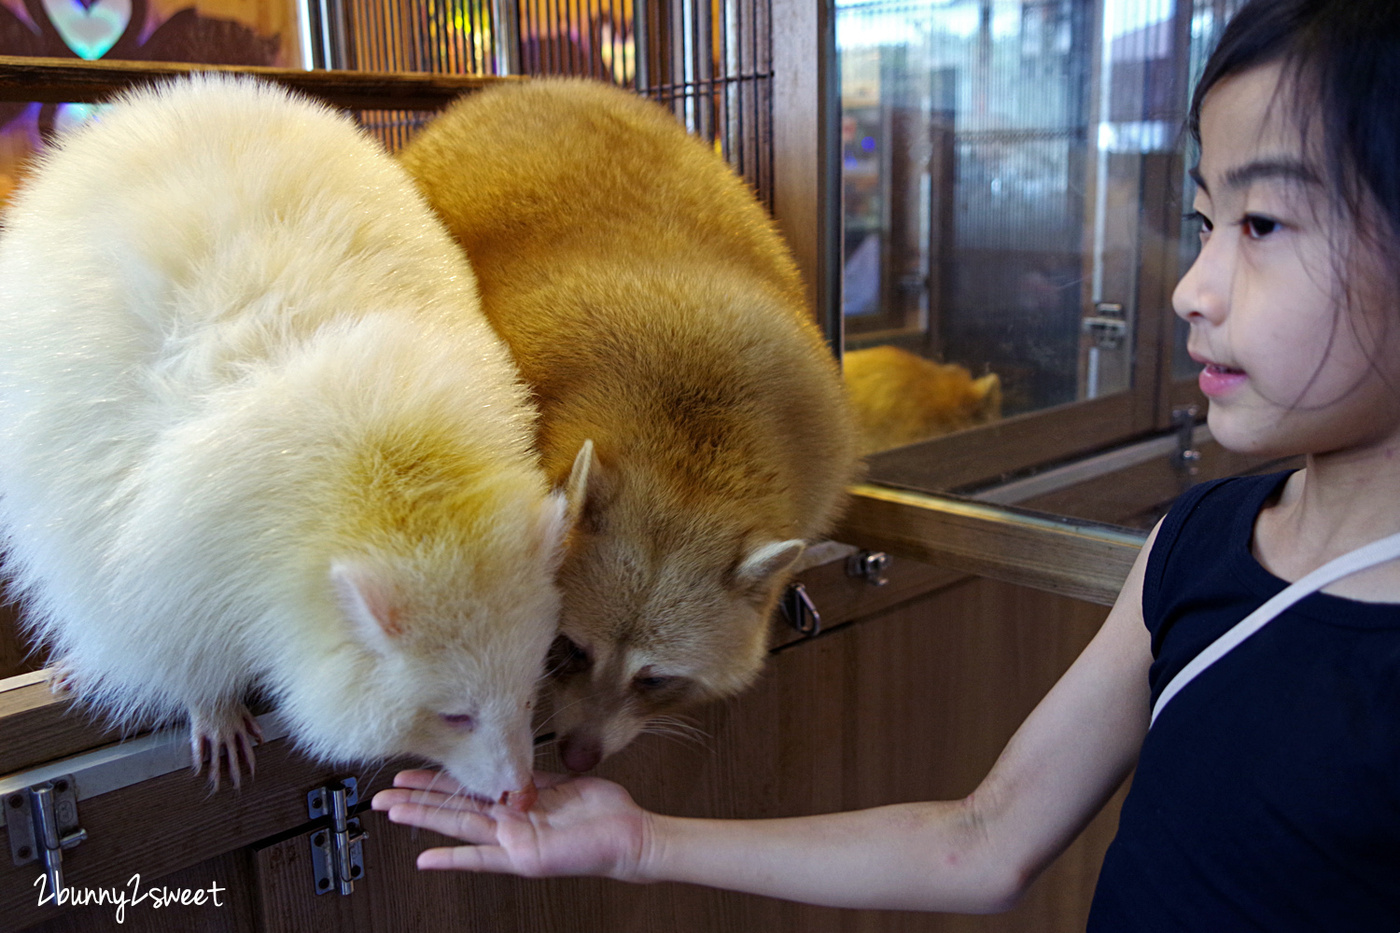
x=656 y=313
x=258 y=435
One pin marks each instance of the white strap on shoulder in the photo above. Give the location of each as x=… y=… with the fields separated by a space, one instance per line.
x=1377 y=552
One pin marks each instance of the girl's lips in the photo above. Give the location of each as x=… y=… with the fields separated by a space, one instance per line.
x=1217 y=380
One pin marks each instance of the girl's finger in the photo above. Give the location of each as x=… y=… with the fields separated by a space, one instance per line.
x=465 y=858
x=467 y=826
x=423 y=779
x=387 y=798
x=428 y=798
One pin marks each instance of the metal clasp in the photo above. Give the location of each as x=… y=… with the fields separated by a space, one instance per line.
x=43 y=821
x=337 y=856
x=1108 y=327
x=1186 y=459
x=869 y=566
x=800 y=611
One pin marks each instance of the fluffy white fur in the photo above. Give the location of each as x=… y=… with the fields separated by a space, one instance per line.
x=254 y=431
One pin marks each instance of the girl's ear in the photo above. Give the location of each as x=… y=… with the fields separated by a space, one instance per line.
x=370 y=606
x=755 y=574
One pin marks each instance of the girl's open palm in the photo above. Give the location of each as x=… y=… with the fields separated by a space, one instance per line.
x=579 y=826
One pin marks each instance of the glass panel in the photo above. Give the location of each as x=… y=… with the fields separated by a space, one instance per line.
x=994 y=155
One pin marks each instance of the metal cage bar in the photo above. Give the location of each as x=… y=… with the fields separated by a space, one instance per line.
x=709 y=61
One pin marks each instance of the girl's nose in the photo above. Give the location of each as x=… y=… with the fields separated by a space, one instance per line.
x=1203 y=291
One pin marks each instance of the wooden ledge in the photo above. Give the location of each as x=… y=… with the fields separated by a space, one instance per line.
x=65 y=80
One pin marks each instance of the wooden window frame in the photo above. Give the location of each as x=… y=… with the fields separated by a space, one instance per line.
x=980 y=456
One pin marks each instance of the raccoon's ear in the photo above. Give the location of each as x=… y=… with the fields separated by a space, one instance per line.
x=987 y=391
x=369 y=604
x=552 y=526
x=585 y=483
x=756 y=572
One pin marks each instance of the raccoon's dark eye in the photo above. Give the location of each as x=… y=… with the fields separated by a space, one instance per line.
x=566 y=657
x=659 y=685
x=464 y=721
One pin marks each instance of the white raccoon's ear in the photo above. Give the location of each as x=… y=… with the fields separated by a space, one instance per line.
x=586 y=472
x=765 y=563
x=369 y=604
x=552 y=525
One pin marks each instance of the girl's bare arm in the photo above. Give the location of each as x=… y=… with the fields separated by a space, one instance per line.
x=977 y=854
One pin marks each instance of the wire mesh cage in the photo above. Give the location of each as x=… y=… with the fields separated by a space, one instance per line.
x=709 y=61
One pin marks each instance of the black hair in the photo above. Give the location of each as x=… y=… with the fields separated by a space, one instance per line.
x=1343 y=57
x=1340 y=62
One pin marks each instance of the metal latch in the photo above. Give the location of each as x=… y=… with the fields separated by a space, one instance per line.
x=337 y=853
x=43 y=821
x=1108 y=327
x=1186 y=458
x=800 y=611
x=869 y=566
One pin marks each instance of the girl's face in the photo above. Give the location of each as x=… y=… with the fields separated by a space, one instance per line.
x=1288 y=365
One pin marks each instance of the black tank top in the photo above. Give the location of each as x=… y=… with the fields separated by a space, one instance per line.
x=1267 y=795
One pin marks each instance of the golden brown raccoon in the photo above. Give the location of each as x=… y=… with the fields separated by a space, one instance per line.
x=655 y=312
x=901 y=398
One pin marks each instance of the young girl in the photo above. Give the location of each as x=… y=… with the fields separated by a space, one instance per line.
x=1267 y=793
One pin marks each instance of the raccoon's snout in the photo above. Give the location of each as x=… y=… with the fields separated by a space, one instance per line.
x=580 y=753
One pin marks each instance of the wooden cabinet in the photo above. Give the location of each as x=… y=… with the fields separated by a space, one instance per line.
x=912 y=699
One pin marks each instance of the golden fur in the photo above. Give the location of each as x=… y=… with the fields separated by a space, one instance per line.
x=901 y=398
x=656 y=313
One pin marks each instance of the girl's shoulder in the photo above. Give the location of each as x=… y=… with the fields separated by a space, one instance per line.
x=1211 y=518
x=1202 y=548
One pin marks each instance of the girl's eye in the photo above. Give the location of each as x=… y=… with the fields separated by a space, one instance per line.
x=1200 y=220
x=1257 y=227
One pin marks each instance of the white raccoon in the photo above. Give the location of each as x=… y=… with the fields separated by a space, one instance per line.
x=256 y=434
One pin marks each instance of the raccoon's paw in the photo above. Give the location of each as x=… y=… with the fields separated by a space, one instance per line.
x=61 y=677
x=224 y=737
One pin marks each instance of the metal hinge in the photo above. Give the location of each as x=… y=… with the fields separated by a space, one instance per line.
x=337 y=853
x=43 y=821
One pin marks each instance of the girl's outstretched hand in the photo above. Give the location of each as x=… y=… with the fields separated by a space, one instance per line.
x=579 y=826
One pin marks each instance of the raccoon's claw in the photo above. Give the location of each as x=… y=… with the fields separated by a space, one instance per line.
x=61 y=677
x=523 y=799
x=220 y=738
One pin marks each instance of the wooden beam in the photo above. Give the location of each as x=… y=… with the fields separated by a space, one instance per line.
x=62 y=80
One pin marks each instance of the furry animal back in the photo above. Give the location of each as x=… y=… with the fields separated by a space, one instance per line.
x=655 y=312
x=901 y=398
x=256 y=434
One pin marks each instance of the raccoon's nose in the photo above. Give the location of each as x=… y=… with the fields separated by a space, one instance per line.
x=580 y=753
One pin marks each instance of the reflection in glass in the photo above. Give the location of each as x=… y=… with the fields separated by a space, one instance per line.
x=994 y=155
